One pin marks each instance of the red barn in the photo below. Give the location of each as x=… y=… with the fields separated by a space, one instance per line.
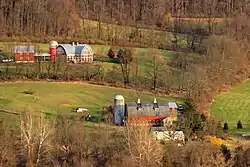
x=24 y=53
x=154 y=113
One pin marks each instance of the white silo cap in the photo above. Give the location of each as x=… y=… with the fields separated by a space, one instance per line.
x=53 y=44
x=119 y=97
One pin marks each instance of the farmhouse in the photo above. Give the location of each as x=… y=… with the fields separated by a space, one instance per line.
x=76 y=53
x=24 y=53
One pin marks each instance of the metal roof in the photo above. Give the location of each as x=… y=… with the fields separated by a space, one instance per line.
x=78 y=49
x=89 y=48
x=147 y=109
x=68 y=48
x=24 y=49
x=145 y=104
x=172 y=105
x=75 y=49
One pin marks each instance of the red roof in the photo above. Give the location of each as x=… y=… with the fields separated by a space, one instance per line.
x=145 y=118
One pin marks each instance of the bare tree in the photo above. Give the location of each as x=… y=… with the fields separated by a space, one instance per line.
x=7 y=144
x=70 y=141
x=144 y=150
x=158 y=65
x=36 y=135
x=125 y=58
x=91 y=71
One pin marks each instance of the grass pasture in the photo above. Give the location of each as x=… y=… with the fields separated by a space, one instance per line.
x=233 y=106
x=54 y=98
x=145 y=36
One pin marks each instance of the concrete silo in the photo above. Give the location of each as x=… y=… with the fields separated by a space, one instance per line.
x=119 y=110
x=52 y=49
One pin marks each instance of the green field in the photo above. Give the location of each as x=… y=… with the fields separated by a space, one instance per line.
x=233 y=106
x=57 y=98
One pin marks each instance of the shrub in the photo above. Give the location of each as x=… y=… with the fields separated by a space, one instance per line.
x=159 y=23
x=242 y=157
x=225 y=126
x=226 y=152
x=111 y=53
x=125 y=56
x=29 y=92
x=239 y=125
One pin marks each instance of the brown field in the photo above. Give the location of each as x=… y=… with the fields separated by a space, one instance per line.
x=218 y=20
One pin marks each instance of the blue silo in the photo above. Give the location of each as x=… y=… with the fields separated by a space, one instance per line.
x=119 y=110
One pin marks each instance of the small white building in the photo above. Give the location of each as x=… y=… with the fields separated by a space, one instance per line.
x=166 y=135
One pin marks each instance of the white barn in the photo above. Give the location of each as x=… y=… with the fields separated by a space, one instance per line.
x=79 y=53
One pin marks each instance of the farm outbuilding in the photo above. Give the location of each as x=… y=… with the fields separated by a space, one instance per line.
x=161 y=133
x=77 y=53
x=154 y=112
x=158 y=114
x=24 y=53
x=42 y=57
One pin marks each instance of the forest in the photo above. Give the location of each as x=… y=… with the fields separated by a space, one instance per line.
x=66 y=18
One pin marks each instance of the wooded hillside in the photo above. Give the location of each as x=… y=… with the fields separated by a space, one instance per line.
x=61 y=17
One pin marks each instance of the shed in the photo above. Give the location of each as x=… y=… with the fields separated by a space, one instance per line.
x=169 y=135
x=172 y=105
x=42 y=56
x=24 y=53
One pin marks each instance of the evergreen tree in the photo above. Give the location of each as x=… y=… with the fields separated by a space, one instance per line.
x=239 y=125
x=226 y=152
x=225 y=126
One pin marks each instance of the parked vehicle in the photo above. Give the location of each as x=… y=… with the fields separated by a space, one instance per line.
x=7 y=60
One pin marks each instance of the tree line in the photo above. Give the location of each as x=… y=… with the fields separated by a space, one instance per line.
x=34 y=140
x=63 y=19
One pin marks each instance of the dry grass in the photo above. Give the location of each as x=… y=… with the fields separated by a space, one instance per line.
x=217 y=20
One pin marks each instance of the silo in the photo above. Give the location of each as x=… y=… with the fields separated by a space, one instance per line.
x=52 y=49
x=119 y=110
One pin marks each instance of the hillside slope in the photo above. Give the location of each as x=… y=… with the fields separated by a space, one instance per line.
x=57 y=98
x=233 y=106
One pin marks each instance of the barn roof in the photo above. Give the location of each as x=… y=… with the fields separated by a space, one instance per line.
x=147 y=109
x=172 y=105
x=75 y=49
x=24 y=49
x=78 y=49
x=145 y=104
x=145 y=118
x=89 y=48
x=68 y=48
x=159 y=109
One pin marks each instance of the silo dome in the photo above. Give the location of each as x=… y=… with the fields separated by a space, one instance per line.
x=119 y=97
x=53 y=44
